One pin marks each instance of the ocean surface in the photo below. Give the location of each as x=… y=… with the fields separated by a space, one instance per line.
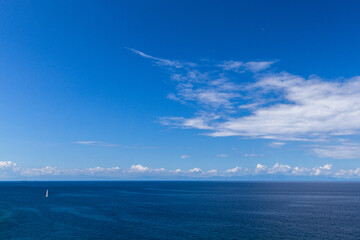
x=180 y=210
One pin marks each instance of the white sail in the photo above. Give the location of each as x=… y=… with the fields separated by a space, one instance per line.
x=47 y=193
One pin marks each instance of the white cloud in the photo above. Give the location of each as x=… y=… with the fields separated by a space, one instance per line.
x=324 y=170
x=195 y=170
x=7 y=164
x=106 y=144
x=212 y=171
x=234 y=170
x=9 y=168
x=300 y=171
x=223 y=155
x=145 y=170
x=279 y=168
x=231 y=101
x=200 y=122
x=231 y=65
x=253 y=155
x=139 y=168
x=258 y=66
x=97 y=143
x=88 y=142
x=176 y=171
x=185 y=156
x=342 y=151
x=101 y=170
x=348 y=173
x=253 y=66
x=284 y=169
x=160 y=61
x=276 y=144
x=315 y=108
x=326 y=167
x=205 y=88
x=40 y=171
x=260 y=168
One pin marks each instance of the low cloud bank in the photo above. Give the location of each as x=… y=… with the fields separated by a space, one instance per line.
x=10 y=170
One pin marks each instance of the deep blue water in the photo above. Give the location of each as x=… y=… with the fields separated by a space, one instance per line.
x=179 y=210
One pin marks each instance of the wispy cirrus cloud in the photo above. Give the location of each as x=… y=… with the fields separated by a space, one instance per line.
x=223 y=155
x=345 y=150
x=277 y=144
x=106 y=144
x=253 y=155
x=161 y=61
x=253 y=66
x=251 y=100
x=88 y=142
x=97 y=143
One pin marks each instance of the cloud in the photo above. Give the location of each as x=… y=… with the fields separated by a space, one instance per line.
x=88 y=142
x=279 y=168
x=200 y=122
x=40 y=171
x=314 y=109
x=258 y=66
x=7 y=164
x=195 y=170
x=343 y=151
x=348 y=173
x=105 y=144
x=223 y=155
x=212 y=171
x=10 y=169
x=160 y=61
x=138 y=168
x=300 y=171
x=325 y=170
x=253 y=66
x=193 y=85
x=101 y=170
x=185 y=156
x=253 y=155
x=276 y=144
x=239 y=98
x=234 y=170
x=97 y=143
x=284 y=169
x=260 y=168
x=176 y=171
x=231 y=65
x=142 y=169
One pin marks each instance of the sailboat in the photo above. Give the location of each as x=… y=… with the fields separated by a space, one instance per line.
x=47 y=193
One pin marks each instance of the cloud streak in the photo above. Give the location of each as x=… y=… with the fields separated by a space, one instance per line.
x=105 y=144
x=345 y=150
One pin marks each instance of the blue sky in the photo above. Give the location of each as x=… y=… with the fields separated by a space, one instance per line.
x=179 y=89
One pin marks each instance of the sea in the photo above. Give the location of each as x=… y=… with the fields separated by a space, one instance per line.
x=180 y=210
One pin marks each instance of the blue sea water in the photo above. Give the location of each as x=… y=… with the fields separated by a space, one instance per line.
x=180 y=210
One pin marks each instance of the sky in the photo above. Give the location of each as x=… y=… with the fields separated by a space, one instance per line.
x=177 y=90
